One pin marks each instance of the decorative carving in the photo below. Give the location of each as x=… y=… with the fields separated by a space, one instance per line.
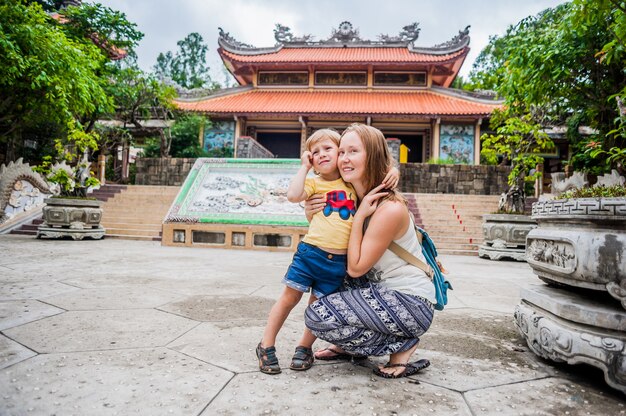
x=226 y=37
x=20 y=189
x=75 y=218
x=460 y=38
x=283 y=34
x=558 y=254
x=610 y=180
x=562 y=184
x=560 y=340
x=617 y=291
x=598 y=208
x=513 y=200
x=409 y=34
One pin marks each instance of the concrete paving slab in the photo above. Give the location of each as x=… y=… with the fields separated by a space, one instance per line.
x=32 y=290
x=554 y=396
x=216 y=318
x=101 y=330
x=340 y=389
x=142 y=381
x=113 y=298
x=18 y=312
x=231 y=344
x=11 y=352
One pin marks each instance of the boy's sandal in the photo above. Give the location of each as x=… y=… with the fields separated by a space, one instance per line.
x=302 y=359
x=337 y=355
x=409 y=369
x=268 y=362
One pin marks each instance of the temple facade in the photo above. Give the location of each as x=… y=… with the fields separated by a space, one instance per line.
x=299 y=85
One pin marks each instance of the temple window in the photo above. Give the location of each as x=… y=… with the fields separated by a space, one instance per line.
x=356 y=79
x=284 y=78
x=406 y=79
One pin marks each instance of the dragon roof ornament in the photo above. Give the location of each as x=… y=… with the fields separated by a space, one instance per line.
x=344 y=35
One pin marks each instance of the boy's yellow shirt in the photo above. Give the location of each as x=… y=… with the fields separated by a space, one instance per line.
x=331 y=227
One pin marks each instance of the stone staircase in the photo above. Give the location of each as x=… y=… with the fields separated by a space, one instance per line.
x=137 y=212
x=454 y=222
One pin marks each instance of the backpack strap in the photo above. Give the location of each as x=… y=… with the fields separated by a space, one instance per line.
x=411 y=259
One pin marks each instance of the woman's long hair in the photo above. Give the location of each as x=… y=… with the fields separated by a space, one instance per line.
x=378 y=158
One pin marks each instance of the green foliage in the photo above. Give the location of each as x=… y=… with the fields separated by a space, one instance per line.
x=595 y=192
x=563 y=66
x=187 y=67
x=440 y=161
x=186 y=141
x=519 y=140
x=615 y=157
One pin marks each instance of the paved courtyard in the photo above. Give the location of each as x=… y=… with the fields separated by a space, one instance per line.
x=116 y=327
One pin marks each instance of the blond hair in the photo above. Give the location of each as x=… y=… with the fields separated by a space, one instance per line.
x=378 y=158
x=320 y=135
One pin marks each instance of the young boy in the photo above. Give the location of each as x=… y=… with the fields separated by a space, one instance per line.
x=319 y=263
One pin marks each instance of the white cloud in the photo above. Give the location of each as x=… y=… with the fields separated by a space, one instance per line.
x=253 y=21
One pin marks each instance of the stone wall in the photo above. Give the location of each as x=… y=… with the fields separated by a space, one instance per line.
x=454 y=179
x=163 y=171
x=415 y=177
x=248 y=148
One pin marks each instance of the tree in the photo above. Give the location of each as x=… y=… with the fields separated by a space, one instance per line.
x=187 y=67
x=545 y=69
x=53 y=70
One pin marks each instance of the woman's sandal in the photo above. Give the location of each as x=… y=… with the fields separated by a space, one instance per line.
x=409 y=369
x=338 y=355
x=268 y=362
x=302 y=359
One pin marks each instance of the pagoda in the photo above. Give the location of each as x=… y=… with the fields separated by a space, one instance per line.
x=289 y=90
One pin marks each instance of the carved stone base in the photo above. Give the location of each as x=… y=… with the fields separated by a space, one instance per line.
x=76 y=234
x=576 y=328
x=499 y=253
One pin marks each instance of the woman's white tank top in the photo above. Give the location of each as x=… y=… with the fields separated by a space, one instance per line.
x=396 y=274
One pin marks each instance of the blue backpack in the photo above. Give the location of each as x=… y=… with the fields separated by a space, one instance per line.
x=433 y=269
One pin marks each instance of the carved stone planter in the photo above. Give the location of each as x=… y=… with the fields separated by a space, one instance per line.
x=582 y=243
x=564 y=326
x=505 y=236
x=75 y=218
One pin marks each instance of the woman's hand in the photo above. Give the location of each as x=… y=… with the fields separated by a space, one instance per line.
x=392 y=179
x=370 y=201
x=313 y=205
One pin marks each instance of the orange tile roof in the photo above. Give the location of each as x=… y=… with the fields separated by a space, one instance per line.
x=347 y=55
x=259 y=101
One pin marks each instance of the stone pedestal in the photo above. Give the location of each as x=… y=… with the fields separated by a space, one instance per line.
x=575 y=327
x=505 y=236
x=75 y=218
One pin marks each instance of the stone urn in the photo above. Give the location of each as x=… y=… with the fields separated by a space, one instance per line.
x=505 y=236
x=71 y=217
x=582 y=243
x=579 y=249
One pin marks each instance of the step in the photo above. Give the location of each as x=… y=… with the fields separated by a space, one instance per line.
x=135 y=225
x=457 y=252
x=132 y=237
x=132 y=231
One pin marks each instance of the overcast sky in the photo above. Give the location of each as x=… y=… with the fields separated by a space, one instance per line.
x=252 y=21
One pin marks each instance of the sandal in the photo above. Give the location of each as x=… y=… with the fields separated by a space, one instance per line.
x=409 y=369
x=268 y=362
x=338 y=355
x=302 y=359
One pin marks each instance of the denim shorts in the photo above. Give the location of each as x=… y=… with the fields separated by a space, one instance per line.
x=315 y=269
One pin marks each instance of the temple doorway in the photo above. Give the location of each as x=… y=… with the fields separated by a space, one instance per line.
x=415 y=144
x=282 y=145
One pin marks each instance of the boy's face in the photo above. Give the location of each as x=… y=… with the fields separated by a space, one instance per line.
x=324 y=156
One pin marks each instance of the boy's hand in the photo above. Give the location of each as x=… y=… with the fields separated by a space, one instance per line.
x=392 y=179
x=307 y=159
x=313 y=205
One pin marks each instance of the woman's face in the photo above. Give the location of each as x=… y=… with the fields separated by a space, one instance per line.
x=351 y=161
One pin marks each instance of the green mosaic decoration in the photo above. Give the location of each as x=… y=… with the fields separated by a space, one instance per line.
x=238 y=191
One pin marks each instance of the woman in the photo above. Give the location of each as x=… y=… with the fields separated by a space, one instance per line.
x=394 y=306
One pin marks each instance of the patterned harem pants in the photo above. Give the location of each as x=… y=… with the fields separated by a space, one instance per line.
x=369 y=319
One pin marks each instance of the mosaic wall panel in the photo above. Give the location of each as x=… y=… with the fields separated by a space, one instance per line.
x=238 y=191
x=220 y=135
x=456 y=142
